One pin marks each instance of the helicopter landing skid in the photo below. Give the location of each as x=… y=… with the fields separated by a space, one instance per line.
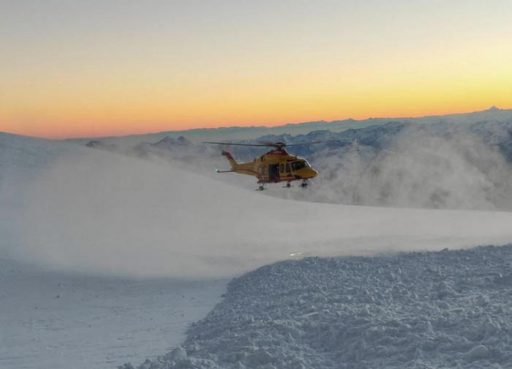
x=304 y=184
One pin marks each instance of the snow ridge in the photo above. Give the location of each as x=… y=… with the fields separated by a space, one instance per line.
x=410 y=310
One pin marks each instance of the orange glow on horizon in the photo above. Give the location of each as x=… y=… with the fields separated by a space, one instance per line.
x=122 y=128
x=85 y=70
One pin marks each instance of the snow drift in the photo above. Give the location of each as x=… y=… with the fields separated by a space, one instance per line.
x=414 y=310
x=434 y=166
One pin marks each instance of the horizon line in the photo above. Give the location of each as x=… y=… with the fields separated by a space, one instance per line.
x=249 y=126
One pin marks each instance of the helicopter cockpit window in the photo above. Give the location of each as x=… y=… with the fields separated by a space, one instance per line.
x=296 y=165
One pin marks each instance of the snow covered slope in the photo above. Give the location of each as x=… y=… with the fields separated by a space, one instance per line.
x=55 y=320
x=448 y=309
x=61 y=320
x=22 y=160
x=106 y=213
x=76 y=209
x=21 y=156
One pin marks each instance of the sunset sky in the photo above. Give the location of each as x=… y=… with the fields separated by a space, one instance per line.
x=104 y=67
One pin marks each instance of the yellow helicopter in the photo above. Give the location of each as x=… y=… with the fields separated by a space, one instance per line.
x=276 y=165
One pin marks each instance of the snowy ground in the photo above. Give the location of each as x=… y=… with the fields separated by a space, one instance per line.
x=67 y=321
x=447 y=309
x=101 y=221
x=100 y=212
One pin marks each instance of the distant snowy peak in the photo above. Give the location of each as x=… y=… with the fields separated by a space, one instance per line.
x=492 y=114
x=96 y=144
x=169 y=142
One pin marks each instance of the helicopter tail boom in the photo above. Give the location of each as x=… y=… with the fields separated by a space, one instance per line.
x=231 y=160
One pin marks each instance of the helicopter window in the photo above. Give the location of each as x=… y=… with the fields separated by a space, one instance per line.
x=296 y=165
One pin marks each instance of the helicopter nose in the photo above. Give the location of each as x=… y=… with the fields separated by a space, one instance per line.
x=312 y=173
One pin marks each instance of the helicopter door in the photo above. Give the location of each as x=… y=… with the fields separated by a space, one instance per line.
x=283 y=171
x=273 y=172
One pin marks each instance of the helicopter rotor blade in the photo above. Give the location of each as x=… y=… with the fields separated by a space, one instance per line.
x=278 y=144
x=235 y=144
x=305 y=143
